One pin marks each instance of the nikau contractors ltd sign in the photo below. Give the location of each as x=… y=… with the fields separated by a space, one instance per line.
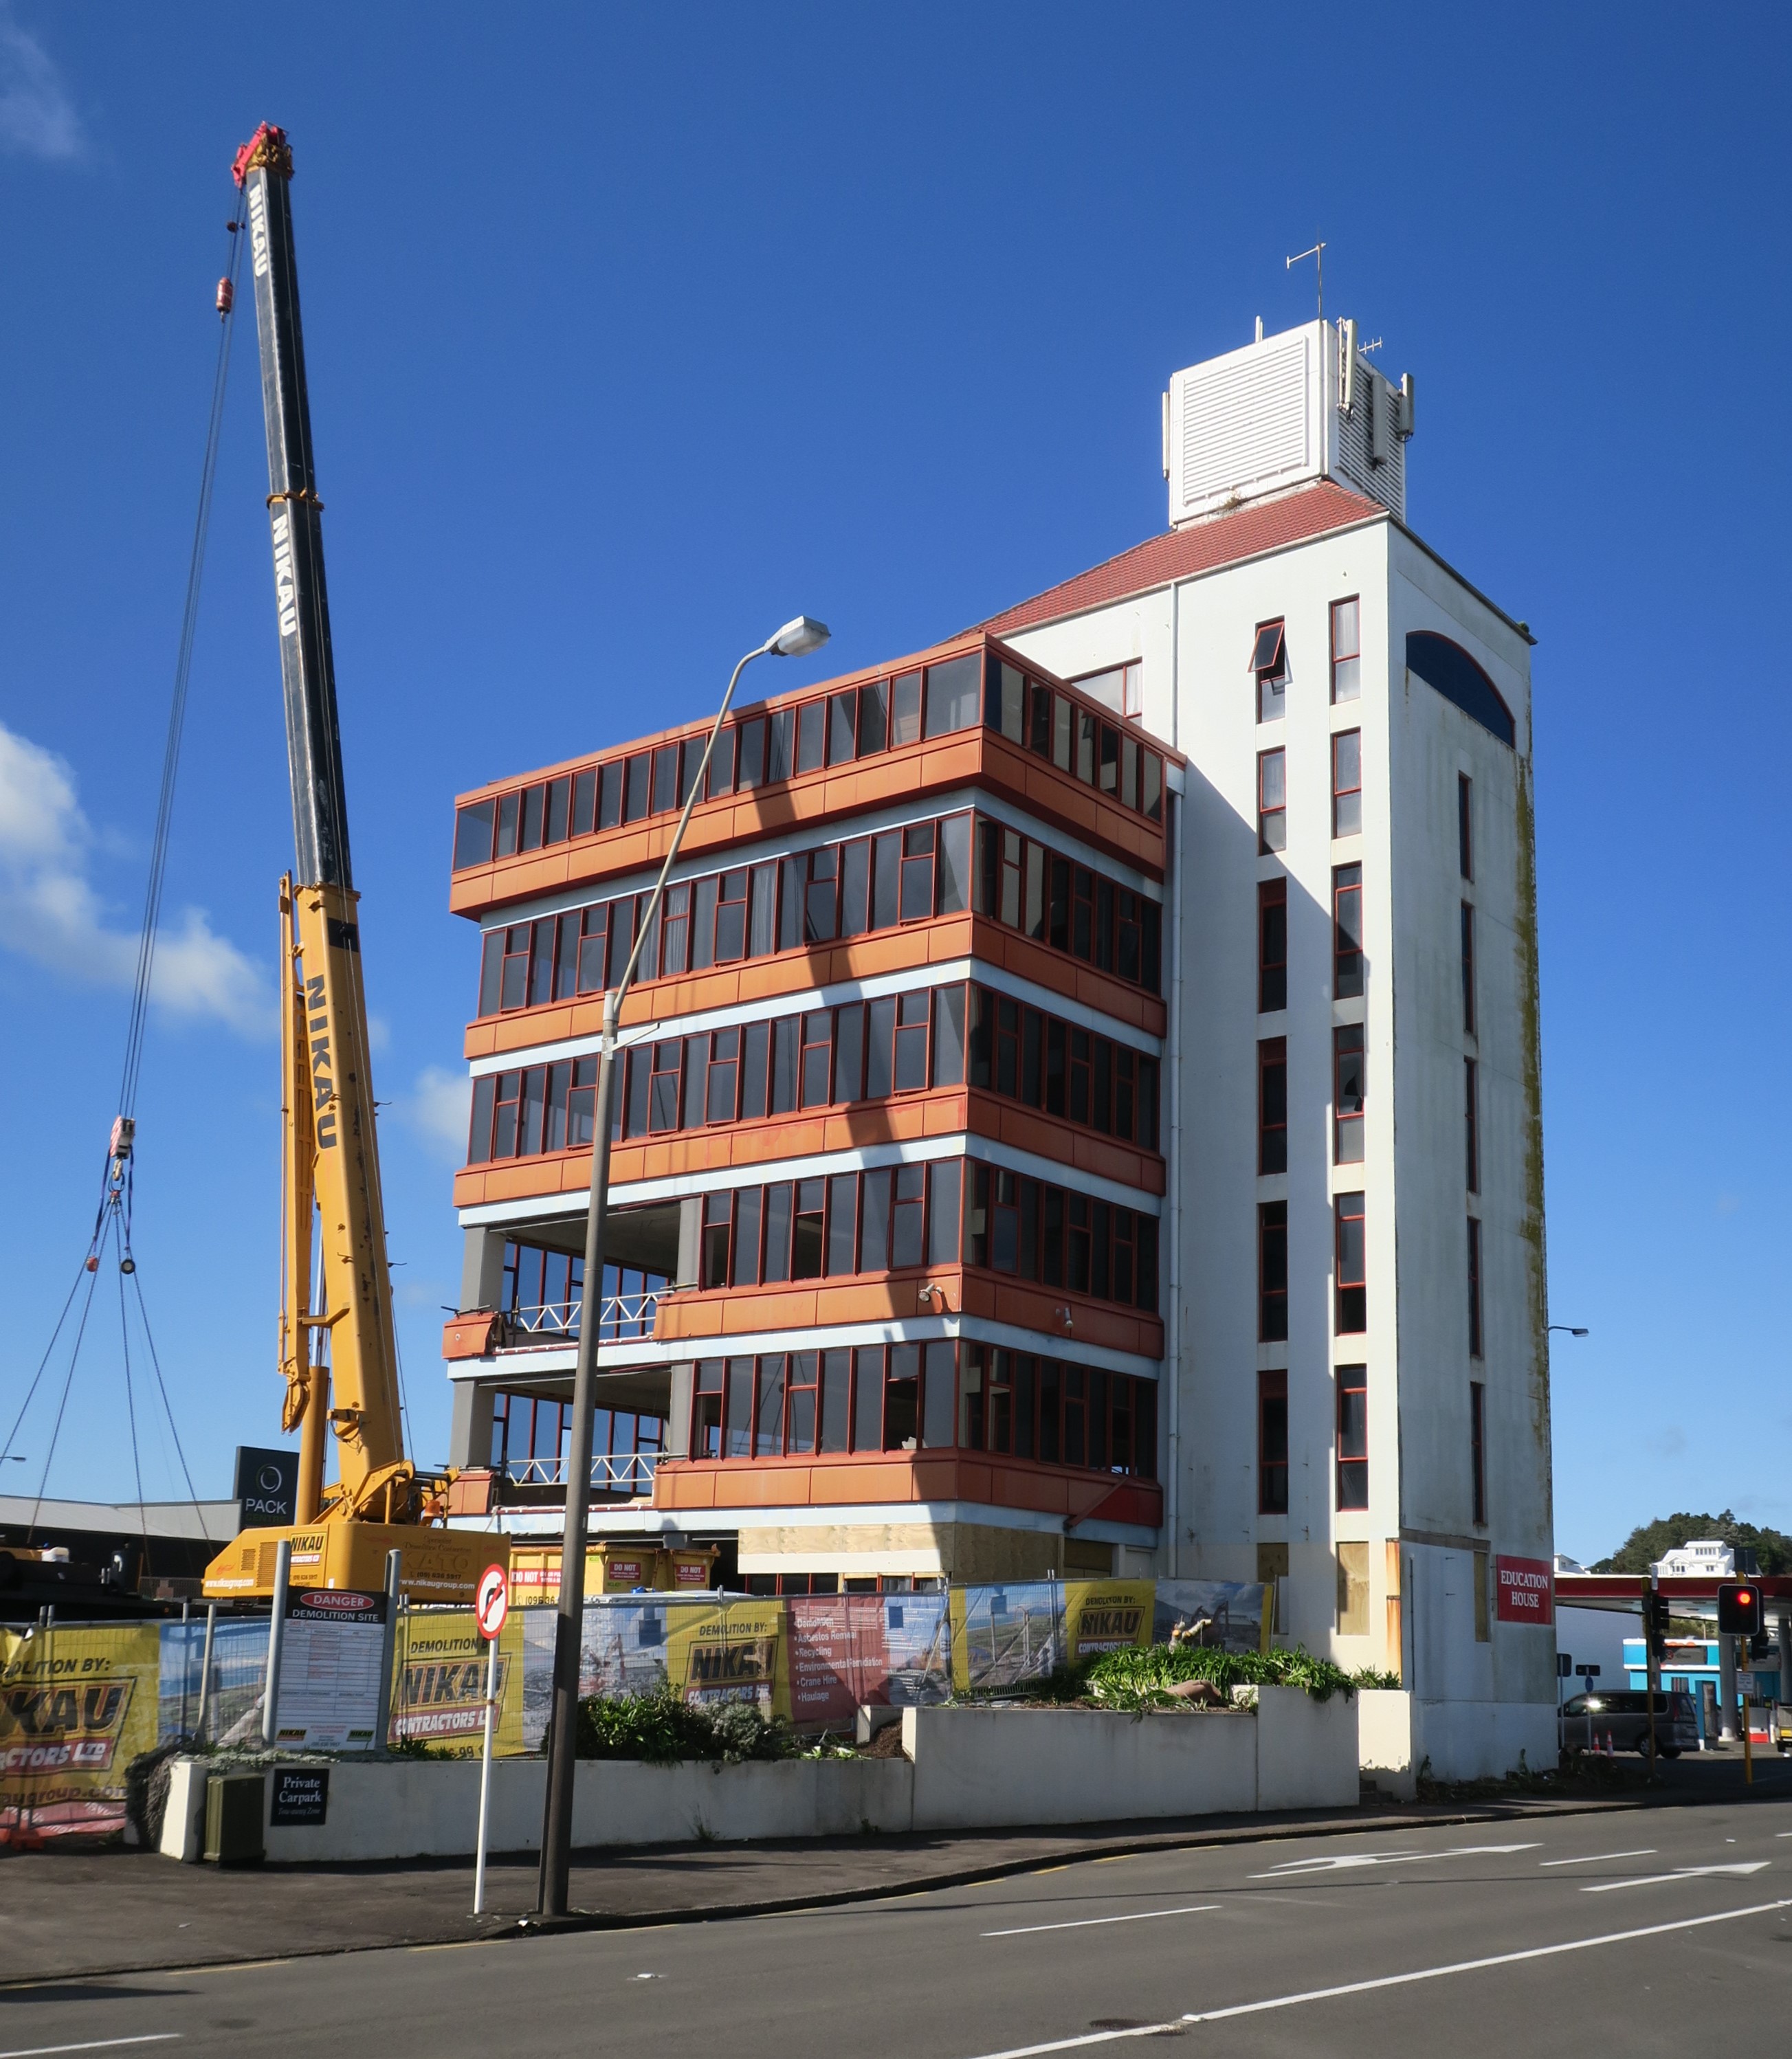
x=1525 y=1591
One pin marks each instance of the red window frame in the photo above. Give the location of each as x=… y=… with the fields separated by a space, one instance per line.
x=1272 y=1106
x=1272 y=1443
x=1347 y=782
x=1271 y=1272
x=1353 y=1437
x=1472 y=1125
x=1270 y=668
x=1474 y=1336
x=1478 y=1451
x=1351 y=1259
x=1468 y=968
x=1272 y=945
x=1347 y=932
x=1348 y=1043
x=1347 y=662
x=1272 y=801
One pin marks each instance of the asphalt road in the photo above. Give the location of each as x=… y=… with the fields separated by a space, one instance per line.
x=1643 y=1931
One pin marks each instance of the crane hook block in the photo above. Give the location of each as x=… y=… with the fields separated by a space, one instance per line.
x=226 y=293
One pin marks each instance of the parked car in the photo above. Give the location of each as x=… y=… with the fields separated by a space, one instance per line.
x=1618 y=1720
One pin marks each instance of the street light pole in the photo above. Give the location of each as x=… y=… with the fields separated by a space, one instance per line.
x=796 y=639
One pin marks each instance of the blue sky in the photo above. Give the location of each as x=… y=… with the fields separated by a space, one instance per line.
x=631 y=334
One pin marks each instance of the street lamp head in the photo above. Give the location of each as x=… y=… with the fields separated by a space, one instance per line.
x=798 y=638
x=1572 y=1329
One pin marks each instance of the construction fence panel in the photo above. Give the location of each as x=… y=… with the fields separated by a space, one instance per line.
x=438 y=1678
x=78 y=1704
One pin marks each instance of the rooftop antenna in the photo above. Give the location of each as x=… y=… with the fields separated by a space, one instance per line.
x=1318 y=253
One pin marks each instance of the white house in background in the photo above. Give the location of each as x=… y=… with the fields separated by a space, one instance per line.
x=1359 y=1402
x=1704 y=1558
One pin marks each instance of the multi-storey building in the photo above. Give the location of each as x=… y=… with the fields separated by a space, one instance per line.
x=1087 y=1116
x=888 y=1165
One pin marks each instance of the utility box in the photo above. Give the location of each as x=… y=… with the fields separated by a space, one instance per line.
x=234 y=1806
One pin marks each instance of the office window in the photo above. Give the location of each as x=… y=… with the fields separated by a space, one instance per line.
x=1468 y=968
x=1349 y=1078
x=1352 y=1280
x=1478 y=1448
x=1272 y=1272
x=1353 y=1436
x=1269 y=662
x=1472 y=1125
x=1347 y=931
x=1272 y=801
x=1347 y=644
x=1474 y=1287
x=1272 y=1105
x=1347 y=782
x=1272 y=1443
x=1483 y=1613
x=1465 y=827
x=1353 y=1590
x=1272 y=945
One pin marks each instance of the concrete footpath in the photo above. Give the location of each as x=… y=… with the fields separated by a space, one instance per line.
x=81 y=1914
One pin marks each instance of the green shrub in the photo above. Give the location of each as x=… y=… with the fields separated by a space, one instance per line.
x=661 y=1728
x=1141 y=1679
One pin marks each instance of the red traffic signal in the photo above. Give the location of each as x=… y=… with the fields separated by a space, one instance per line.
x=1739 y=1607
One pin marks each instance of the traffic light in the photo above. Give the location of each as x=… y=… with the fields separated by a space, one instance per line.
x=1654 y=1622
x=1739 y=1607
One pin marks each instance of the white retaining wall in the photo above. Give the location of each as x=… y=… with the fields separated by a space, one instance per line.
x=1398 y=1732
x=964 y=1769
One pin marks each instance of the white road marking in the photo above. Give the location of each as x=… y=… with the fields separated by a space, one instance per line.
x=96 y=2045
x=1348 y=1859
x=1090 y=1922
x=1679 y=1873
x=1175 y=2023
x=1593 y=1858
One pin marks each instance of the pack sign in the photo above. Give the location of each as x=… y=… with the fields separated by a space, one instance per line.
x=267 y=1485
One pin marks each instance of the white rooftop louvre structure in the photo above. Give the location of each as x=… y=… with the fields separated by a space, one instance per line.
x=1284 y=410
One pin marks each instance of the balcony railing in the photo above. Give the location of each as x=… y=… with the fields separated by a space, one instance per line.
x=621 y=1319
x=620 y=1472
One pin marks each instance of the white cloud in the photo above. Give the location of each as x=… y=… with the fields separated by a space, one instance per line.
x=51 y=912
x=37 y=118
x=438 y=1109
x=379 y=1034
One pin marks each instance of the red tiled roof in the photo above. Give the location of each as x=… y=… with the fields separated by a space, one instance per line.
x=1216 y=540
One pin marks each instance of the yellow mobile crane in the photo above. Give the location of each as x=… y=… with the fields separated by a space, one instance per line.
x=329 y=1156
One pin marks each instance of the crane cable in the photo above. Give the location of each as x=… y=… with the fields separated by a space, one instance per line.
x=118 y=1181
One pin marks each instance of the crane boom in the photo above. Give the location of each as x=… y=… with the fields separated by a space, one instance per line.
x=364 y=1352
x=330 y=1159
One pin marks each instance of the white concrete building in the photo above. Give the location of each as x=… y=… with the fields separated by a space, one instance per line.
x=1706 y=1558
x=1357 y=1387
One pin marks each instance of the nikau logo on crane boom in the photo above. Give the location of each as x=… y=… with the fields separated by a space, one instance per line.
x=323 y=1084
x=258 y=231
x=286 y=591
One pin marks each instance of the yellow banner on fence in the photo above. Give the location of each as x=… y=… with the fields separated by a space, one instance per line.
x=730 y=1651
x=1106 y=1615
x=438 y=1683
x=77 y=1705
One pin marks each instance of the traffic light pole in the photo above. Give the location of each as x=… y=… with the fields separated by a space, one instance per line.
x=1652 y=1652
